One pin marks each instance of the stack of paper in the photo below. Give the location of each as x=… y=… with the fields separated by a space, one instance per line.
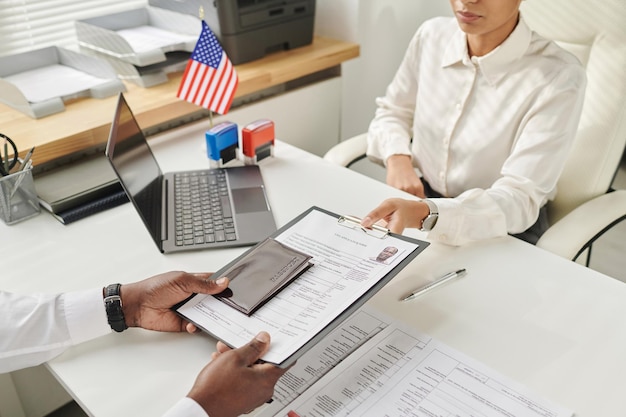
x=373 y=366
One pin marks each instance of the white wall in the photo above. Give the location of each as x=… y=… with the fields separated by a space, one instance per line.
x=307 y=117
x=383 y=29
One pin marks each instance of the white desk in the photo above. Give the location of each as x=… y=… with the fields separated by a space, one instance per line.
x=548 y=323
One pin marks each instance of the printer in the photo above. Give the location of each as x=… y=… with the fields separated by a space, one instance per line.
x=249 y=29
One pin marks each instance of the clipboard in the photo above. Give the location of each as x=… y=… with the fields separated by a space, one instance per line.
x=193 y=311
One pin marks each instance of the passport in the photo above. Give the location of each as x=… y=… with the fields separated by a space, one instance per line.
x=261 y=274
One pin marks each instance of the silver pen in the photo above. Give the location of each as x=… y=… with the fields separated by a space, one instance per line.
x=26 y=160
x=447 y=277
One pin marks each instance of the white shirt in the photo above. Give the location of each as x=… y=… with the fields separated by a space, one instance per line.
x=36 y=328
x=491 y=132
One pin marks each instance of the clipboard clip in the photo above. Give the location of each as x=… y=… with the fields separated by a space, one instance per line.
x=353 y=222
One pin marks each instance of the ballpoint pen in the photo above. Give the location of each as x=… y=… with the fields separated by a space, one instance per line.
x=447 y=277
x=25 y=167
x=26 y=160
x=6 y=157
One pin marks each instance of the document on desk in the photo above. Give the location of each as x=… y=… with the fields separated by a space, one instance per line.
x=349 y=266
x=373 y=366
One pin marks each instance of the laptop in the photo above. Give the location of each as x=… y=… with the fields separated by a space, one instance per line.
x=187 y=210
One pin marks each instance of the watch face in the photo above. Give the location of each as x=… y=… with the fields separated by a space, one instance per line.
x=429 y=222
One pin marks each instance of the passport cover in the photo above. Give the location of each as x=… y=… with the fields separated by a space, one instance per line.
x=260 y=274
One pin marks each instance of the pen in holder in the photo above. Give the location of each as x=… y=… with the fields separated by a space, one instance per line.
x=18 y=198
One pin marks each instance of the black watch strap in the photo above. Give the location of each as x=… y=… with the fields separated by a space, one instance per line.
x=113 y=307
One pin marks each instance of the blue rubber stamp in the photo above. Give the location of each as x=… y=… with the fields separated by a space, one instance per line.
x=222 y=143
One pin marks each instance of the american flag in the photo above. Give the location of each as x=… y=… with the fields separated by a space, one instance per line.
x=210 y=79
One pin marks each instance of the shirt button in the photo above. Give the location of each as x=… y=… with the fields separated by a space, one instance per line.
x=458 y=106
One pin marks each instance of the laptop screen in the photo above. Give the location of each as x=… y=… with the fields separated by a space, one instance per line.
x=136 y=167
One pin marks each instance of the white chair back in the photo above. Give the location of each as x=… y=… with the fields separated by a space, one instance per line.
x=594 y=31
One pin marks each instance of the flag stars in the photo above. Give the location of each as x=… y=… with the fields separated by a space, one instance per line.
x=208 y=51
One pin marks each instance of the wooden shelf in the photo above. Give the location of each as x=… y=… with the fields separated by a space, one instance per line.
x=85 y=123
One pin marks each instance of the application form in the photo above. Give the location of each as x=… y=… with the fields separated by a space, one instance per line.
x=347 y=264
x=398 y=371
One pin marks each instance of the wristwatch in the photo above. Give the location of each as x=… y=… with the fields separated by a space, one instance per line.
x=113 y=307
x=429 y=222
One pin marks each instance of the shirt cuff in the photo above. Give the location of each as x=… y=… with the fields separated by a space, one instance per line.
x=85 y=315
x=396 y=150
x=186 y=407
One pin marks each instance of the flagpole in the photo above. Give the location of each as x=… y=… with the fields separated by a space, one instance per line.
x=201 y=16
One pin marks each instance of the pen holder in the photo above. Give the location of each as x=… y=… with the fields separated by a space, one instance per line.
x=18 y=198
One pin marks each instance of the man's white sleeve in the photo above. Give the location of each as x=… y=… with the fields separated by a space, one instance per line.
x=186 y=407
x=37 y=327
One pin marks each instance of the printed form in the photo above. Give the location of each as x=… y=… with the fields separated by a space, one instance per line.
x=347 y=263
x=373 y=366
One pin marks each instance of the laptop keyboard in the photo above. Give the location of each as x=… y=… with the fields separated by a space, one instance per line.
x=202 y=208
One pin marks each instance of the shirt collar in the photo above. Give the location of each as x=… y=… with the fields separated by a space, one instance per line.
x=495 y=64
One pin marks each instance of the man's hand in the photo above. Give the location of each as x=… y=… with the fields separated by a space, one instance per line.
x=148 y=303
x=233 y=383
x=397 y=214
x=401 y=175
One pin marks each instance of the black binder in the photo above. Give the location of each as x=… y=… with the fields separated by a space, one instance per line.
x=91 y=207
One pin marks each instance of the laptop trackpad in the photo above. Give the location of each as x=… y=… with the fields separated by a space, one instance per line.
x=249 y=200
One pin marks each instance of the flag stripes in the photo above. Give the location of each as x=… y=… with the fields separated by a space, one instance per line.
x=210 y=79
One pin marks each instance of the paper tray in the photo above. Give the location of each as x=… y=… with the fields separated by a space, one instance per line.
x=38 y=83
x=147 y=76
x=140 y=37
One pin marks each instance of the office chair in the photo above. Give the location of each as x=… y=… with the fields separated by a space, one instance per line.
x=585 y=206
